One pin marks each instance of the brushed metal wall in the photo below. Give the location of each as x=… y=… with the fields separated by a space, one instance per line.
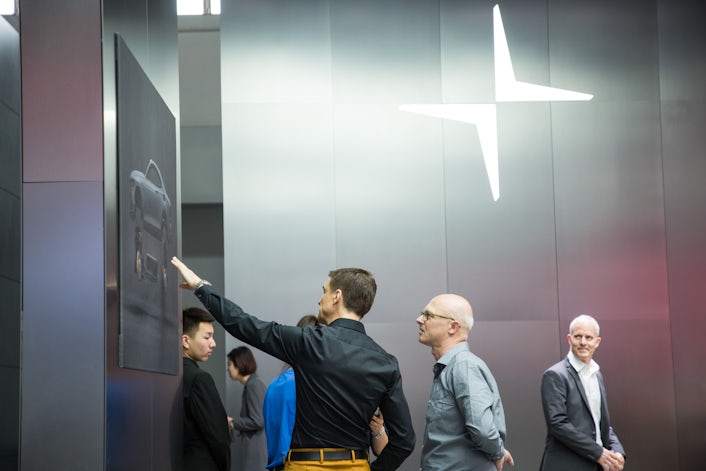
x=10 y=234
x=683 y=120
x=96 y=415
x=600 y=201
x=610 y=217
x=143 y=411
x=62 y=384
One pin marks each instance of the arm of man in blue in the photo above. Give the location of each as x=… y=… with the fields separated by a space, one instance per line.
x=479 y=401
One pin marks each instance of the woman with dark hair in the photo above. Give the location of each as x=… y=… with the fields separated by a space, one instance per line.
x=250 y=444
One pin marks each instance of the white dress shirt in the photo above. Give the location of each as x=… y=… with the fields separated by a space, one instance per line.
x=588 y=374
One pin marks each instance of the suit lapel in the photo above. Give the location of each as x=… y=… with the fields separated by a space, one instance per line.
x=579 y=385
x=605 y=420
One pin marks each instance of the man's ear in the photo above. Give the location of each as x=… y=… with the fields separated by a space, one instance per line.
x=185 y=342
x=337 y=295
x=455 y=327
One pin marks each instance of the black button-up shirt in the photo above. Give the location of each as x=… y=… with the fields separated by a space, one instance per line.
x=342 y=376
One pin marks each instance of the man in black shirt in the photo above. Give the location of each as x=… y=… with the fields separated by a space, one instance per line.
x=206 y=434
x=342 y=375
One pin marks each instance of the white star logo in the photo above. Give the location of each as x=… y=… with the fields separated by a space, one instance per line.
x=507 y=89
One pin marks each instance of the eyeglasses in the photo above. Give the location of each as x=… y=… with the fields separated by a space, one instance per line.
x=426 y=315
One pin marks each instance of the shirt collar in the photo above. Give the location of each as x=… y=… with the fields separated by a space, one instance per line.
x=579 y=365
x=348 y=324
x=446 y=357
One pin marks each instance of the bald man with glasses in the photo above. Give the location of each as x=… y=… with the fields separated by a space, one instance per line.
x=465 y=421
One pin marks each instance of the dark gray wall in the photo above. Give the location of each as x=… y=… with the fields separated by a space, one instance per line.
x=79 y=410
x=63 y=344
x=683 y=121
x=10 y=267
x=202 y=249
x=601 y=206
x=143 y=410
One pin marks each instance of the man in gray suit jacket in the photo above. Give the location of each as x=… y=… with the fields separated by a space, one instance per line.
x=579 y=434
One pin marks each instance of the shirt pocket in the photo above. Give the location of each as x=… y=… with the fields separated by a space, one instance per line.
x=441 y=403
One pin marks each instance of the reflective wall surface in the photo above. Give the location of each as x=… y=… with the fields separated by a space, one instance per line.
x=79 y=410
x=599 y=208
x=143 y=410
x=62 y=237
x=10 y=243
x=683 y=119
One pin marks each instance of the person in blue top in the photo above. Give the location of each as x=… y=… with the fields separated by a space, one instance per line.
x=280 y=409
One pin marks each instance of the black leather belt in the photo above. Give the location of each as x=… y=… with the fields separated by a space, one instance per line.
x=328 y=455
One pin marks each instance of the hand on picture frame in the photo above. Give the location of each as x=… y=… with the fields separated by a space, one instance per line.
x=191 y=279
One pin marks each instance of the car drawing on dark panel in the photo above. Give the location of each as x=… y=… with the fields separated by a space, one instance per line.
x=150 y=210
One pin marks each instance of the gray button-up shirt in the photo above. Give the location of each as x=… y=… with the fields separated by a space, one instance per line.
x=465 y=421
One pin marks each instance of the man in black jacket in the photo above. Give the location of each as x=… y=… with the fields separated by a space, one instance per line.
x=342 y=375
x=206 y=434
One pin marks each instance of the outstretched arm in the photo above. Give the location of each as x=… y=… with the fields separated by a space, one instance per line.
x=270 y=337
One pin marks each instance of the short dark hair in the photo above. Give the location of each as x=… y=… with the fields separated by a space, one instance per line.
x=358 y=287
x=244 y=360
x=192 y=317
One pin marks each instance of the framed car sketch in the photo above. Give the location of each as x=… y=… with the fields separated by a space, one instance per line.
x=146 y=157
